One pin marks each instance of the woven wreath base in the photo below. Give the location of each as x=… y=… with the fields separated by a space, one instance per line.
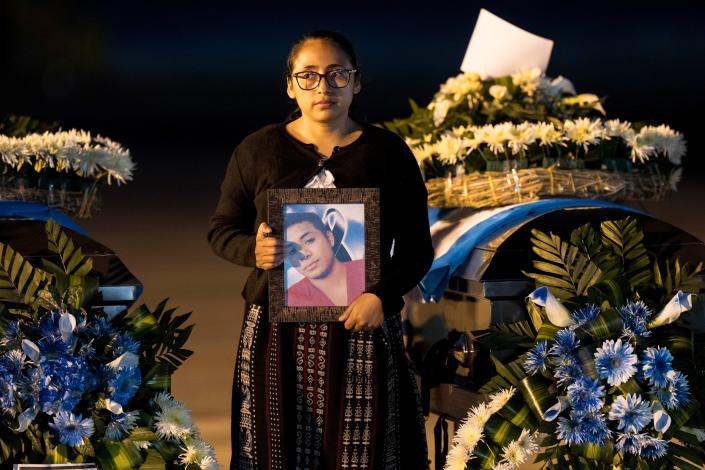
x=79 y=204
x=494 y=189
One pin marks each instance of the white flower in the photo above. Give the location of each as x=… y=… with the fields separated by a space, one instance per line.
x=681 y=302
x=194 y=451
x=494 y=136
x=555 y=311
x=547 y=134
x=617 y=128
x=451 y=149
x=583 y=131
x=500 y=398
x=164 y=400
x=174 y=422
x=457 y=458
x=208 y=463
x=468 y=436
x=556 y=87
x=440 y=110
x=518 y=451
x=528 y=80
x=639 y=150
x=521 y=136
x=498 y=92
x=460 y=85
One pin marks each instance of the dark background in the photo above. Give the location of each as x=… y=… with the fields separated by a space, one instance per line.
x=181 y=84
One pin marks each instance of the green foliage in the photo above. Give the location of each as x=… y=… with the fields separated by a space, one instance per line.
x=625 y=238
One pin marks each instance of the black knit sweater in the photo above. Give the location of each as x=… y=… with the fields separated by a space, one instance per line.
x=272 y=158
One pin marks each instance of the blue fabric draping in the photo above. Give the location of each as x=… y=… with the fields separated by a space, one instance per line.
x=454 y=261
x=32 y=210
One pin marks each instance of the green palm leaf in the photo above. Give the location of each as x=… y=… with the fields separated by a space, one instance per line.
x=589 y=242
x=19 y=280
x=72 y=259
x=625 y=239
x=563 y=268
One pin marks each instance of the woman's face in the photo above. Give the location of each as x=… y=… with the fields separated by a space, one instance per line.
x=310 y=250
x=324 y=103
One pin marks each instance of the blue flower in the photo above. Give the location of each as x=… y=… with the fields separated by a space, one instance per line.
x=53 y=347
x=124 y=343
x=593 y=426
x=536 y=358
x=566 y=374
x=123 y=384
x=568 y=429
x=676 y=393
x=629 y=442
x=566 y=344
x=102 y=327
x=653 y=448
x=656 y=364
x=70 y=429
x=120 y=425
x=62 y=382
x=7 y=396
x=635 y=316
x=586 y=394
x=584 y=315
x=631 y=411
x=49 y=324
x=615 y=361
x=12 y=362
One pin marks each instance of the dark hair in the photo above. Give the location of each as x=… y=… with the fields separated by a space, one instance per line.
x=333 y=36
x=340 y=41
x=293 y=218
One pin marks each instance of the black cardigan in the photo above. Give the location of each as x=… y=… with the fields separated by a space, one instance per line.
x=272 y=158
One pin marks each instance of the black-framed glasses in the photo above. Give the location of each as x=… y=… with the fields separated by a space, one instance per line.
x=337 y=78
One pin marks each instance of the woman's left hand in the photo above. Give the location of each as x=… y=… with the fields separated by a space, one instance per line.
x=365 y=313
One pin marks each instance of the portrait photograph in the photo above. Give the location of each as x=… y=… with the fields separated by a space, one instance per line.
x=331 y=256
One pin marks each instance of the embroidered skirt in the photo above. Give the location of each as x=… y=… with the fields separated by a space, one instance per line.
x=316 y=396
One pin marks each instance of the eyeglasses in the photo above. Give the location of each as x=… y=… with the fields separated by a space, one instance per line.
x=338 y=78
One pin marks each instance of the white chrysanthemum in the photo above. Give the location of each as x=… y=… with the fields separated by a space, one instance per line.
x=468 y=435
x=528 y=80
x=495 y=136
x=423 y=152
x=583 y=131
x=208 y=463
x=499 y=399
x=498 y=92
x=547 y=134
x=460 y=131
x=617 y=128
x=164 y=400
x=144 y=445
x=460 y=85
x=411 y=142
x=503 y=466
x=513 y=454
x=639 y=150
x=194 y=450
x=440 y=109
x=457 y=458
x=521 y=136
x=173 y=423
x=450 y=149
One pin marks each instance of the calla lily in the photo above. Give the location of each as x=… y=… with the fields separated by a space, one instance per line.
x=31 y=350
x=553 y=412
x=681 y=302
x=114 y=407
x=563 y=85
x=555 y=311
x=26 y=418
x=67 y=323
x=127 y=360
x=662 y=420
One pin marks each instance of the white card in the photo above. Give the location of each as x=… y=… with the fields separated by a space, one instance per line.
x=499 y=48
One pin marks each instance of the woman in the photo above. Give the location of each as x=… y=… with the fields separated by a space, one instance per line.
x=324 y=395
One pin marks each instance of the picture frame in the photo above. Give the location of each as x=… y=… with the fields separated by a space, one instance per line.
x=333 y=251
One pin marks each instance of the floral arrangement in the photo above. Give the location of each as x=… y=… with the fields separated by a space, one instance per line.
x=80 y=385
x=527 y=120
x=51 y=165
x=607 y=371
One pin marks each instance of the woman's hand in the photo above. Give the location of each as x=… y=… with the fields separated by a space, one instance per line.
x=269 y=251
x=365 y=313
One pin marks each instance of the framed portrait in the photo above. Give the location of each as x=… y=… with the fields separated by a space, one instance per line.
x=332 y=251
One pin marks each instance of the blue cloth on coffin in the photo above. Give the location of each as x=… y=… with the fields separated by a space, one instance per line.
x=453 y=262
x=32 y=210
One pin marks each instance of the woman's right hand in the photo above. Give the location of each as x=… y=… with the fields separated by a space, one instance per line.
x=269 y=251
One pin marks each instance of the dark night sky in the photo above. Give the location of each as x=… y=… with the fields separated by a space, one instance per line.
x=170 y=80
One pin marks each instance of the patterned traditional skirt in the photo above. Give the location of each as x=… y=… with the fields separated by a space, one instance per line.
x=316 y=396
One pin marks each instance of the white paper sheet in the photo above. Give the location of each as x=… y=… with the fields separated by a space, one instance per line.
x=498 y=48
